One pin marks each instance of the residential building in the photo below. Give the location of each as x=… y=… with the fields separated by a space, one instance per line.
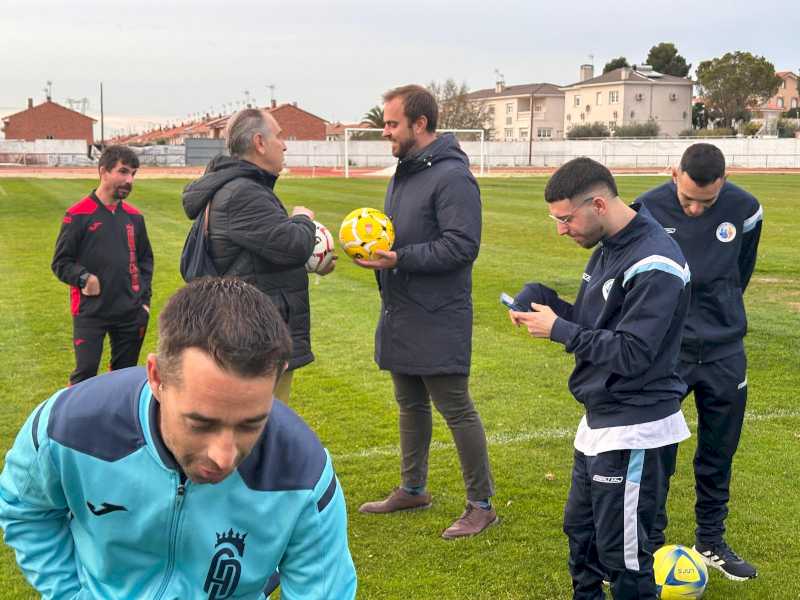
x=508 y=110
x=627 y=96
x=48 y=121
x=296 y=123
x=334 y=132
x=786 y=98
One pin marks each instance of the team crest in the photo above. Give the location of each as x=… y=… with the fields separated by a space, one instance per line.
x=607 y=288
x=726 y=232
x=226 y=568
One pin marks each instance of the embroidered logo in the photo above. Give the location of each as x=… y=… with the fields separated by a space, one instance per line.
x=670 y=230
x=605 y=479
x=586 y=277
x=95 y=226
x=225 y=569
x=607 y=288
x=726 y=232
x=104 y=508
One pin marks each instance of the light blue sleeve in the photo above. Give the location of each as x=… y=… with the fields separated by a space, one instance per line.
x=34 y=514
x=317 y=564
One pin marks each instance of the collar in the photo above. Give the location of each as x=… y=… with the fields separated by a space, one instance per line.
x=109 y=207
x=632 y=230
x=149 y=414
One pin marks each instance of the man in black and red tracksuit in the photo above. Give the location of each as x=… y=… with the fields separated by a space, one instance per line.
x=624 y=331
x=718 y=226
x=104 y=255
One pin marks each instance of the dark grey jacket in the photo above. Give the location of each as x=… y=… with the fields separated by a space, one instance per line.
x=425 y=327
x=254 y=239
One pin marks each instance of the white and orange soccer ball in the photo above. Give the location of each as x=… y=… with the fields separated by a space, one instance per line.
x=364 y=231
x=322 y=256
x=680 y=572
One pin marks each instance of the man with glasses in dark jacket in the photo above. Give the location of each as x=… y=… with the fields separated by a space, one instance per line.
x=424 y=335
x=624 y=330
x=251 y=234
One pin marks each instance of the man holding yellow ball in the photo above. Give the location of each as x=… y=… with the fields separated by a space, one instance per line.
x=424 y=335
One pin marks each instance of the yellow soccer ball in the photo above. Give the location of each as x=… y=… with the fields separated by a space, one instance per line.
x=680 y=572
x=364 y=231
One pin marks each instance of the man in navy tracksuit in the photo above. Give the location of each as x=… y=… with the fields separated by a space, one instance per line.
x=624 y=330
x=104 y=255
x=718 y=226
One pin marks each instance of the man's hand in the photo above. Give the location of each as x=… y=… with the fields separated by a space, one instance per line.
x=386 y=260
x=329 y=267
x=92 y=287
x=302 y=210
x=538 y=323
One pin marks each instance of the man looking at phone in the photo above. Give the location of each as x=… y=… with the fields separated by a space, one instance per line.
x=624 y=330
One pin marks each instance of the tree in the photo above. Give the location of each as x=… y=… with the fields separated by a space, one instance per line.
x=664 y=58
x=456 y=110
x=615 y=63
x=374 y=117
x=699 y=116
x=587 y=130
x=735 y=82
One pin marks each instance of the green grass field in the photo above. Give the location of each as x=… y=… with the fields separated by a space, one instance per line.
x=518 y=383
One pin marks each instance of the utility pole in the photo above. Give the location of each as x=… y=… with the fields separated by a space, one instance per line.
x=530 y=130
x=102 y=120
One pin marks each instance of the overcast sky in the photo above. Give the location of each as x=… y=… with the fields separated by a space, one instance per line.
x=168 y=59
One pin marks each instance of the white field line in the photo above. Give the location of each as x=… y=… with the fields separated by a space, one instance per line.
x=521 y=437
x=2 y=191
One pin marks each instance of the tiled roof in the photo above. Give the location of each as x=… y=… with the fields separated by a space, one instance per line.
x=538 y=89
x=55 y=104
x=634 y=76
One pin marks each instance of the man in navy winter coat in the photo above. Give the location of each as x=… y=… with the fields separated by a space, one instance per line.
x=424 y=336
x=718 y=226
x=624 y=330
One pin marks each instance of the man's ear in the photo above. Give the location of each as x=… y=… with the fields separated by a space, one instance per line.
x=420 y=125
x=674 y=174
x=154 y=375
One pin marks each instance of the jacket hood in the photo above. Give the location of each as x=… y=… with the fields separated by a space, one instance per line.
x=443 y=148
x=220 y=171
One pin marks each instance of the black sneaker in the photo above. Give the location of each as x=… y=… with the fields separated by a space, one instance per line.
x=724 y=559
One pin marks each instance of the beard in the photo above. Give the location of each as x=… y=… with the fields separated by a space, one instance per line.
x=121 y=192
x=403 y=148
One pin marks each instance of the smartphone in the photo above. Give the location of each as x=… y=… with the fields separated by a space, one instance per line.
x=509 y=302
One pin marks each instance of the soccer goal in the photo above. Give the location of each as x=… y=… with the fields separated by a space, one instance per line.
x=376 y=152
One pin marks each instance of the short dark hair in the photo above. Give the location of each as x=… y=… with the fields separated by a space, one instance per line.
x=577 y=177
x=114 y=154
x=417 y=102
x=704 y=163
x=231 y=321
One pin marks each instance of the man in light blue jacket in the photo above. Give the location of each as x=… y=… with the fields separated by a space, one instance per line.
x=187 y=480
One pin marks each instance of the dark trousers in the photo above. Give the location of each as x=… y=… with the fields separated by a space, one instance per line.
x=720 y=394
x=126 y=338
x=612 y=505
x=450 y=395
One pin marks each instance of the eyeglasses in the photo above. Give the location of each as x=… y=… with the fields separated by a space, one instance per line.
x=566 y=219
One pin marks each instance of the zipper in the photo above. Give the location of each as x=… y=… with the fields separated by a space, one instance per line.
x=180 y=494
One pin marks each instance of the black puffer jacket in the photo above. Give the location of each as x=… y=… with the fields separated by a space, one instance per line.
x=425 y=326
x=253 y=238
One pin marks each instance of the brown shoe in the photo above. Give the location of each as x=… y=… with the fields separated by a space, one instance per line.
x=399 y=499
x=472 y=521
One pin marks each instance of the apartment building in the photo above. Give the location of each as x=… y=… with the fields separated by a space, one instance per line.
x=509 y=114
x=629 y=95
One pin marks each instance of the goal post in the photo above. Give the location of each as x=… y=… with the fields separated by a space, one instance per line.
x=349 y=130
